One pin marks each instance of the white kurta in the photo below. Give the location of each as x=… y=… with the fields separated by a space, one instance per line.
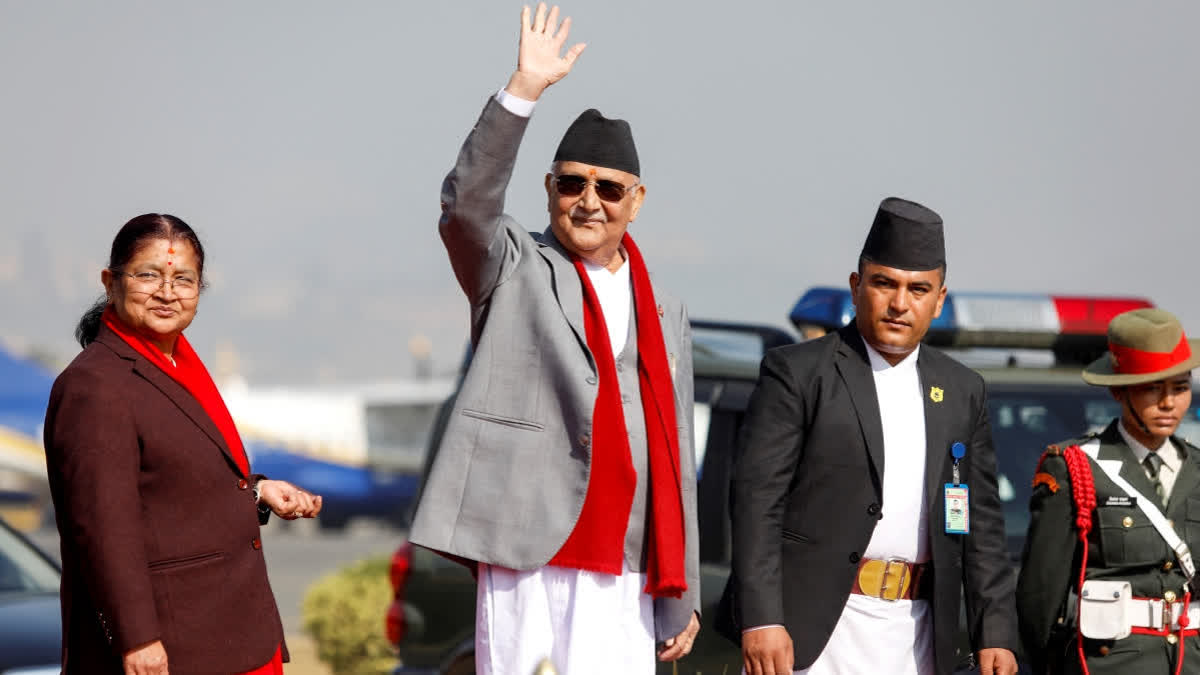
x=615 y=292
x=583 y=622
x=873 y=635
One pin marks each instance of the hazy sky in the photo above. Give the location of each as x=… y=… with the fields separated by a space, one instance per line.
x=306 y=143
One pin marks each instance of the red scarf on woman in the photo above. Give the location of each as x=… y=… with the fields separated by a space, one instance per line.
x=598 y=541
x=189 y=371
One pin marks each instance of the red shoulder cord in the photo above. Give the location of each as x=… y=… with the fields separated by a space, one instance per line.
x=1083 y=490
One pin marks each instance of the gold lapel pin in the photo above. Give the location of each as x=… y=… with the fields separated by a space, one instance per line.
x=935 y=394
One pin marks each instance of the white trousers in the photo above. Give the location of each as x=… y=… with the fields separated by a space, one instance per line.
x=583 y=622
x=875 y=636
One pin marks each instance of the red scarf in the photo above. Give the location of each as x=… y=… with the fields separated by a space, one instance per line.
x=189 y=371
x=598 y=541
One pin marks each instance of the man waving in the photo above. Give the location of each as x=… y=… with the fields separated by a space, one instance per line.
x=566 y=474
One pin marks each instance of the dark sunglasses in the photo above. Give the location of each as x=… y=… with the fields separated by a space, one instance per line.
x=608 y=190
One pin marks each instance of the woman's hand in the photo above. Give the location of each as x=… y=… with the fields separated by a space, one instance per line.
x=148 y=659
x=288 y=501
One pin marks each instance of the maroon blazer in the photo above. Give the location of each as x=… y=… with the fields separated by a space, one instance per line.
x=159 y=530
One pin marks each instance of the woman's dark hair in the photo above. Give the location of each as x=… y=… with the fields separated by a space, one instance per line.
x=132 y=237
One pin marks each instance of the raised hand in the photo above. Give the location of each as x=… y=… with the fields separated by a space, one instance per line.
x=540 y=62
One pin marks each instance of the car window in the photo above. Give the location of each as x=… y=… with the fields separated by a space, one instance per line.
x=23 y=569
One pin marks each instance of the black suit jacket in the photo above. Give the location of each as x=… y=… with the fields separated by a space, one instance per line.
x=806 y=495
x=159 y=531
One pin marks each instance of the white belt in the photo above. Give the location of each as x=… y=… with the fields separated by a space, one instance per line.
x=1158 y=614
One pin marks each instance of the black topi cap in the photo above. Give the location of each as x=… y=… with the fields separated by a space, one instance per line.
x=905 y=235
x=597 y=140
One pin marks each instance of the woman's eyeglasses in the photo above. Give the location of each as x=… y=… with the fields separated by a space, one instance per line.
x=569 y=185
x=185 y=288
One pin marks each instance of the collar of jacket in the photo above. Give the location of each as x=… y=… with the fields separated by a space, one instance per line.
x=174 y=391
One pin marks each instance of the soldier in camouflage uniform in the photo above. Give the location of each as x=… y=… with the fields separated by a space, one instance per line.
x=1084 y=526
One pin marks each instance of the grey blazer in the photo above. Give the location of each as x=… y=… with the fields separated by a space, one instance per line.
x=510 y=477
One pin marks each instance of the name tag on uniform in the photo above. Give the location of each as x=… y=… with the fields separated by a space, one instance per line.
x=1121 y=500
x=958 y=509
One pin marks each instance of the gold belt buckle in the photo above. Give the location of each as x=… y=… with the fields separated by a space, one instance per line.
x=876 y=576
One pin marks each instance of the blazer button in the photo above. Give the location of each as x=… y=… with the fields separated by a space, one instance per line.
x=255 y=544
x=1127 y=521
x=854 y=557
x=1167 y=566
x=1103 y=650
x=243 y=484
x=873 y=509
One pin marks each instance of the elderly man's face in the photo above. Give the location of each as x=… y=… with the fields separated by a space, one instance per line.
x=590 y=224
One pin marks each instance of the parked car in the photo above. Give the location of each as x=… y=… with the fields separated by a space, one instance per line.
x=1033 y=350
x=30 y=620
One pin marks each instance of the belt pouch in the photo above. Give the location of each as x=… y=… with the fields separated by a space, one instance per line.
x=1105 y=609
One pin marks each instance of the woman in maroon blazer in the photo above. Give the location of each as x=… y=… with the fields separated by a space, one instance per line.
x=157 y=510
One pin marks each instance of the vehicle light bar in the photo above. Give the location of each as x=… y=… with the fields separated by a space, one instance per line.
x=1013 y=320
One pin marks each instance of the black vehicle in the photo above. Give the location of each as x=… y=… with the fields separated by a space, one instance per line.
x=30 y=619
x=1035 y=397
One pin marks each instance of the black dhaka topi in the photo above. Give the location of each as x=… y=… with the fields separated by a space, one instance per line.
x=597 y=140
x=905 y=235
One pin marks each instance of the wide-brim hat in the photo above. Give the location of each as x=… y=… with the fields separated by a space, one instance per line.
x=1144 y=345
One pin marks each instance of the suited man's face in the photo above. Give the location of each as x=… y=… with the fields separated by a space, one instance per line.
x=894 y=307
x=590 y=224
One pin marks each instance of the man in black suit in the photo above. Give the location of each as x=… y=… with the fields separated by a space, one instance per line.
x=841 y=566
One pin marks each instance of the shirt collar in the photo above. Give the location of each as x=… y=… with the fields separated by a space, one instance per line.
x=593 y=268
x=879 y=363
x=1172 y=460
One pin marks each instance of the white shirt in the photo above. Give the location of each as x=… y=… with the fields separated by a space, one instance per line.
x=615 y=291
x=515 y=104
x=903 y=531
x=1172 y=459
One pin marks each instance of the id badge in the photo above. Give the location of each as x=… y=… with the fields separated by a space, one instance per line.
x=958 y=511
